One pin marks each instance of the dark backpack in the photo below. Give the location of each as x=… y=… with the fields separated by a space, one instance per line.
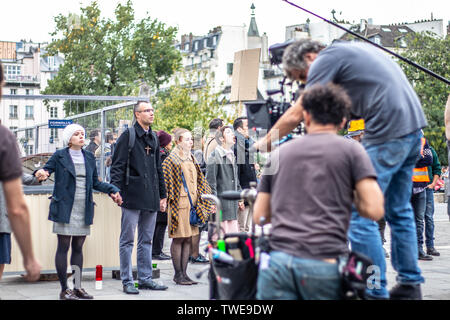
x=131 y=142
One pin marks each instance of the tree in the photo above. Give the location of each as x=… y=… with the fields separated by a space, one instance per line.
x=188 y=105
x=111 y=57
x=432 y=53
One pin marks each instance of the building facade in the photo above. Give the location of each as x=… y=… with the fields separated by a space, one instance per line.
x=27 y=71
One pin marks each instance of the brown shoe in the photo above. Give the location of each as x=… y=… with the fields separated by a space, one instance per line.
x=82 y=294
x=68 y=294
x=190 y=280
x=182 y=281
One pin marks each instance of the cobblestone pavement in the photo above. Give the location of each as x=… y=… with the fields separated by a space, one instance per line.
x=436 y=273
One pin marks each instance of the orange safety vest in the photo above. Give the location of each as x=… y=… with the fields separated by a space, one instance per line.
x=421 y=174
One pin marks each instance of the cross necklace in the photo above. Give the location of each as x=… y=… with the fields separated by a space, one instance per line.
x=147 y=148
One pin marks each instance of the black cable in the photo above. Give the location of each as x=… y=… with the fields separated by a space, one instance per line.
x=374 y=44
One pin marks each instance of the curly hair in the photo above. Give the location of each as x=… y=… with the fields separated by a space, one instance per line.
x=327 y=104
x=293 y=56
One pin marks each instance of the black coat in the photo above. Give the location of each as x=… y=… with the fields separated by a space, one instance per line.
x=65 y=182
x=246 y=168
x=146 y=184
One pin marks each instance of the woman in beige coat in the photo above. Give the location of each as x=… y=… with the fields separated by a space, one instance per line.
x=180 y=163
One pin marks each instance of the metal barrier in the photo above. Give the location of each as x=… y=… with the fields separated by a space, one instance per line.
x=37 y=142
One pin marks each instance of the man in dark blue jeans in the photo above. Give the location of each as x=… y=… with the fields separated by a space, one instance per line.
x=383 y=97
x=421 y=180
x=434 y=173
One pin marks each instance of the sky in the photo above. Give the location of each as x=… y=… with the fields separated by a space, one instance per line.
x=31 y=19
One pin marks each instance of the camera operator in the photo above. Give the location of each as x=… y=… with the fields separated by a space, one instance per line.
x=383 y=97
x=308 y=200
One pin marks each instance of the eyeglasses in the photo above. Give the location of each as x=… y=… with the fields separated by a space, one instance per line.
x=147 y=110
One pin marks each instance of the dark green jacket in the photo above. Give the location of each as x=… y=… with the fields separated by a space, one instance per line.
x=435 y=168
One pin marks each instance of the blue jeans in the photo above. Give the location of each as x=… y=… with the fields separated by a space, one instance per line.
x=145 y=222
x=418 y=202
x=429 y=220
x=393 y=161
x=293 y=278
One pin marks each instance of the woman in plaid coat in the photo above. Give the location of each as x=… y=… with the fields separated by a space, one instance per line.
x=181 y=162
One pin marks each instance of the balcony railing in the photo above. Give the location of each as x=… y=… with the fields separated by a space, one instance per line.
x=20 y=78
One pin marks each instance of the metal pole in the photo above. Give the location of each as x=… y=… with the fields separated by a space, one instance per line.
x=102 y=144
x=36 y=141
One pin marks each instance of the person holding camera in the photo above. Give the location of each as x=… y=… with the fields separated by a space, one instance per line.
x=185 y=183
x=310 y=222
x=383 y=97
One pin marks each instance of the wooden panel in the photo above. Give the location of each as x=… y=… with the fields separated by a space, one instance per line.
x=101 y=247
x=7 y=50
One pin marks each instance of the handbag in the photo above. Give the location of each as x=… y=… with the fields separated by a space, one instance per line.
x=194 y=219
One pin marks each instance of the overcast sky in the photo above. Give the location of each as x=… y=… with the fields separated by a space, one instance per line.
x=31 y=19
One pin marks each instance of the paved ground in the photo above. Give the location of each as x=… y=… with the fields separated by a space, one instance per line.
x=436 y=273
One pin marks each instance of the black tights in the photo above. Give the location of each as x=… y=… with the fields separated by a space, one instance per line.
x=179 y=250
x=76 y=257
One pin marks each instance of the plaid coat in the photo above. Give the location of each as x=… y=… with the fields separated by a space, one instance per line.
x=172 y=177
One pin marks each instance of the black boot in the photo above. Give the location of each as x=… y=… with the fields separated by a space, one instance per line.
x=406 y=292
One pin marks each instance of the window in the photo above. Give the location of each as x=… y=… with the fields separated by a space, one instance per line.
x=403 y=30
x=205 y=43
x=28 y=91
x=375 y=39
x=29 y=133
x=53 y=134
x=196 y=45
x=13 y=112
x=12 y=70
x=230 y=68
x=53 y=112
x=13 y=91
x=29 y=114
x=186 y=47
x=29 y=149
x=386 y=29
x=51 y=61
x=214 y=40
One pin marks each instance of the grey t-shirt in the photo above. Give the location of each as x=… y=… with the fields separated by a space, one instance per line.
x=378 y=88
x=312 y=193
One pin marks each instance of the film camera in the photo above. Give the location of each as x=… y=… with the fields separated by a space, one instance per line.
x=263 y=114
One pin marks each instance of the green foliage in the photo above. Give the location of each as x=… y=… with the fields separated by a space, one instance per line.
x=185 y=105
x=111 y=57
x=433 y=54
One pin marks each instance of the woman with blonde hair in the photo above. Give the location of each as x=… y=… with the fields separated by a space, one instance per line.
x=185 y=183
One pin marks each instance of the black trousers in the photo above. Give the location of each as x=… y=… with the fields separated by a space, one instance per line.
x=158 y=235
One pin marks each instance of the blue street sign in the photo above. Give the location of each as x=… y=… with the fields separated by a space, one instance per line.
x=60 y=124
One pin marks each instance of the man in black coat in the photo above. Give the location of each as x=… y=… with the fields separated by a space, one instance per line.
x=246 y=167
x=143 y=196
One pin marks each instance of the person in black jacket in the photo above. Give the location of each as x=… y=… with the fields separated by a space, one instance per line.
x=72 y=205
x=143 y=196
x=165 y=142
x=246 y=167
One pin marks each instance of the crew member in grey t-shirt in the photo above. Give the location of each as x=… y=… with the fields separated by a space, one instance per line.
x=306 y=192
